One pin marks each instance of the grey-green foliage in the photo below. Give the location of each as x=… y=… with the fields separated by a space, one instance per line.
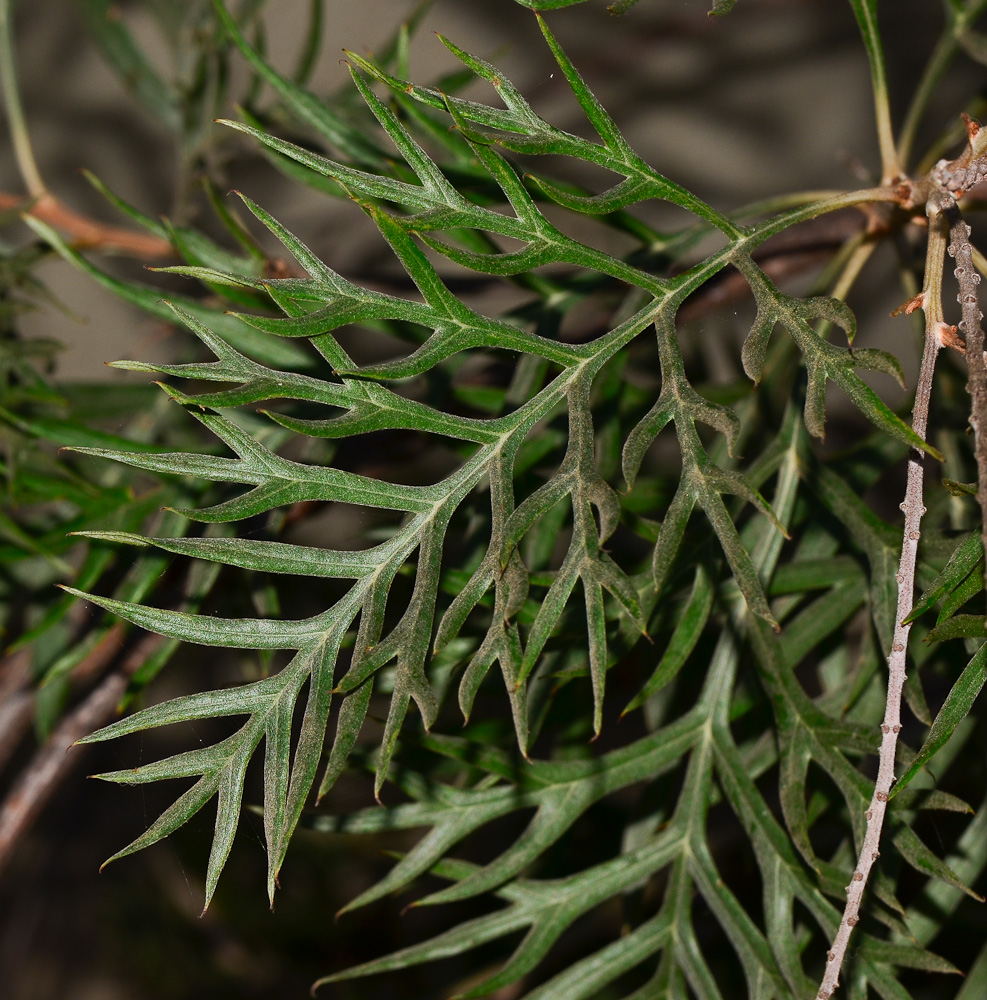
x=554 y=549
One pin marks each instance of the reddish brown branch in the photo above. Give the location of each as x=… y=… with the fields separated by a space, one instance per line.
x=86 y=233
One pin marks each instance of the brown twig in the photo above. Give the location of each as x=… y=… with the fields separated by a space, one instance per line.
x=16 y=712
x=15 y=673
x=37 y=782
x=17 y=696
x=87 y=233
x=51 y=763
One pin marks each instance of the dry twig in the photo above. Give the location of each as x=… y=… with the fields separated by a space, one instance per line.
x=51 y=763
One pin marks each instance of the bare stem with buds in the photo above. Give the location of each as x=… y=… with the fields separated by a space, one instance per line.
x=947 y=182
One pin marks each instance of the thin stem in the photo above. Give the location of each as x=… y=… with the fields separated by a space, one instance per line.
x=859 y=255
x=866 y=14
x=958 y=22
x=86 y=233
x=783 y=202
x=45 y=206
x=861 y=196
x=891 y=168
x=935 y=68
x=19 y=137
x=913 y=508
x=51 y=763
x=16 y=702
x=38 y=781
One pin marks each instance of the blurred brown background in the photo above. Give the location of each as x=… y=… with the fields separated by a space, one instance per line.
x=764 y=101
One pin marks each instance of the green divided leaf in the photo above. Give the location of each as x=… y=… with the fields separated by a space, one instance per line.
x=594 y=499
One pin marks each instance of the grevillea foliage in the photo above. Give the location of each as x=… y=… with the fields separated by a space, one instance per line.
x=602 y=525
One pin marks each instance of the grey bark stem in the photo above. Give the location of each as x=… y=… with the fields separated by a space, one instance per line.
x=973 y=334
x=913 y=508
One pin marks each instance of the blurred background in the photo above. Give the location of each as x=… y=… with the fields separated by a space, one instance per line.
x=763 y=101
